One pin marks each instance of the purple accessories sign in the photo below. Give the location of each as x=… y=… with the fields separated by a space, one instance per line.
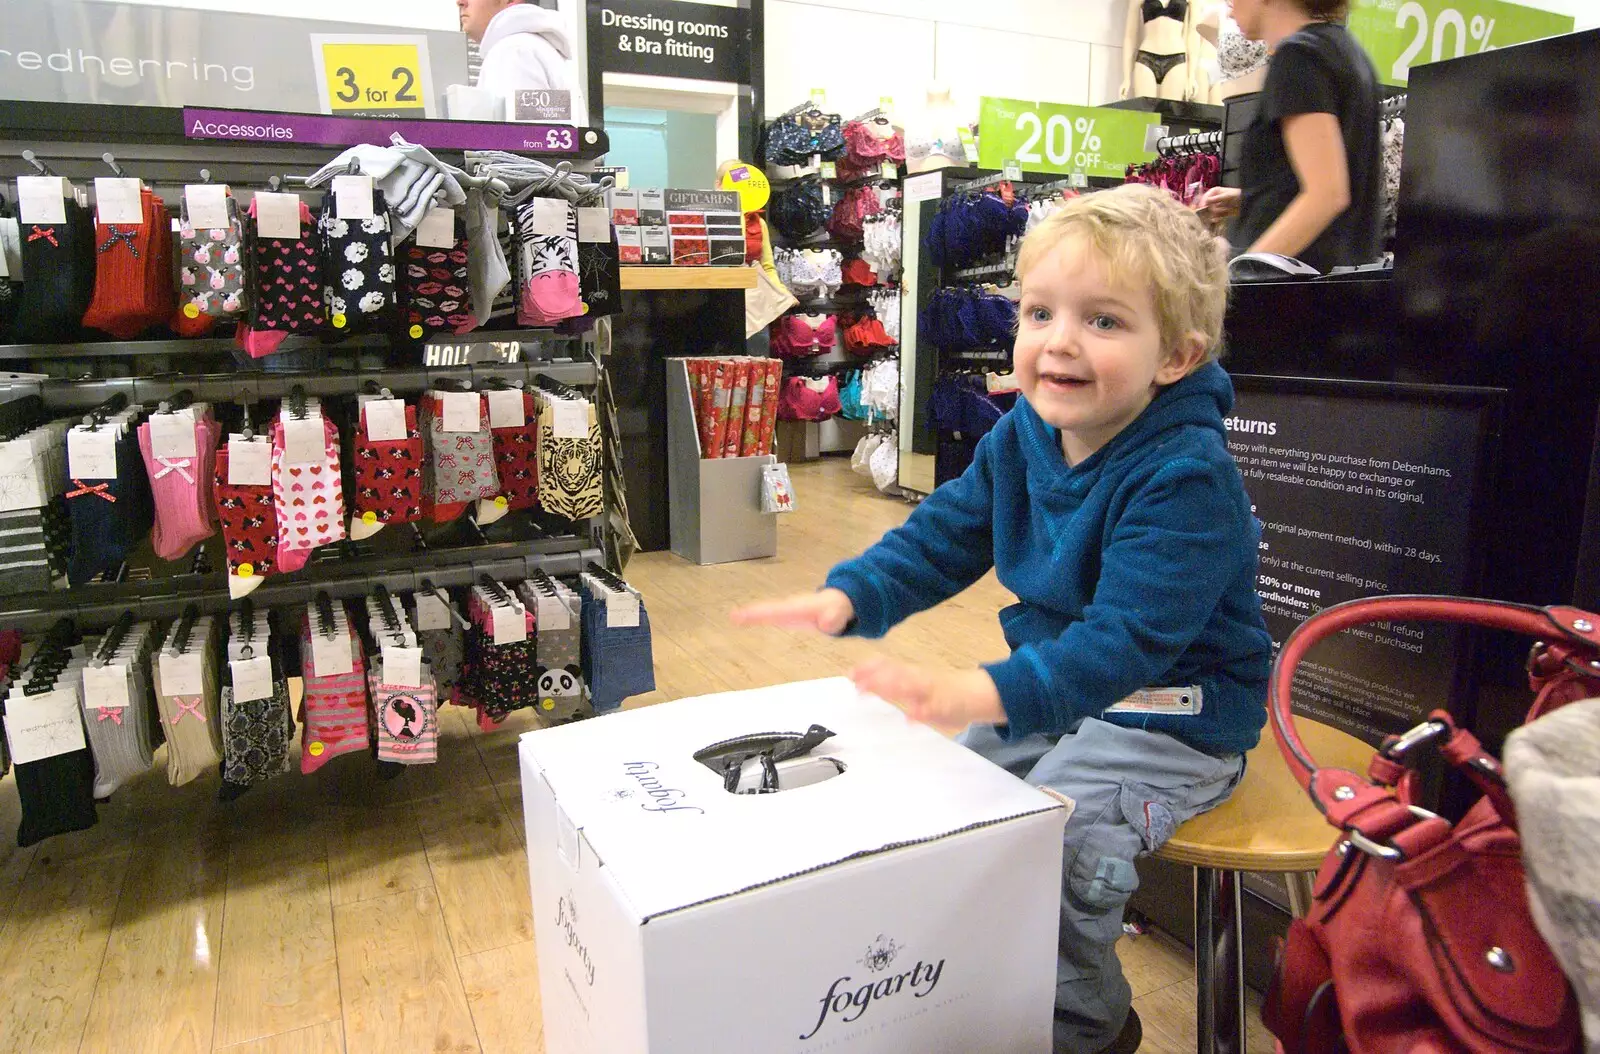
x=255 y=126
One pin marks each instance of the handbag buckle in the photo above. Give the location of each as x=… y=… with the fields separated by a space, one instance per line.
x=1388 y=851
x=1427 y=732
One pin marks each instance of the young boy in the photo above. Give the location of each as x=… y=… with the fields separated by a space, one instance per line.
x=1108 y=503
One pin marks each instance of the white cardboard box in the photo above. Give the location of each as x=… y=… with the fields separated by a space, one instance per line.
x=907 y=905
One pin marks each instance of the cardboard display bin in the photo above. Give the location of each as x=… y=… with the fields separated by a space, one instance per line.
x=899 y=894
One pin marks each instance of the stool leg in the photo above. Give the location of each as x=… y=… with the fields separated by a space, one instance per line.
x=1300 y=892
x=1218 y=962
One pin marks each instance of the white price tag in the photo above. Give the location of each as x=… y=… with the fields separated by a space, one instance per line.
x=552 y=614
x=330 y=656
x=182 y=674
x=594 y=226
x=463 y=411
x=43 y=726
x=206 y=205
x=252 y=679
x=11 y=247
x=622 y=610
x=172 y=436
x=92 y=455
x=928 y=187
x=386 y=420
x=402 y=666
x=571 y=418
x=431 y=612
x=42 y=199
x=506 y=409
x=249 y=462
x=438 y=229
x=117 y=200
x=552 y=217
x=105 y=686
x=510 y=625
x=304 y=442
x=278 y=215
x=352 y=197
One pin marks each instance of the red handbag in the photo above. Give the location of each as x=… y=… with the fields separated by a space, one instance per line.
x=1419 y=936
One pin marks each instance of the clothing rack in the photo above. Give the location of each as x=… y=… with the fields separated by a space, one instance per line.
x=981 y=183
x=1394 y=106
x=1197 y=142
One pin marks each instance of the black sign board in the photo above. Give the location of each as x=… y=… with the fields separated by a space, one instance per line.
x=666 y=38
x=1365 y=489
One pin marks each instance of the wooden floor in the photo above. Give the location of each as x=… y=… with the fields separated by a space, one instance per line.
x=337 y=912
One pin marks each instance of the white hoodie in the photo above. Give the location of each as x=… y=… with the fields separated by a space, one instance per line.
x=527 y=47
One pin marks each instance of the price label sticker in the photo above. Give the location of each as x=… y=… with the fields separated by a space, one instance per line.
x=543 y=105
x=969 y=146
x=510 y=625
x=277 y=215
x=507 y=409
x=830 y=170
x=886 y=103
x=571 y=418
x=551 y=218
x=117 y=200
x=352 y=197
x=386 y=420
x=1078 y=179
x=252 y=679
x=375 y=78
x=402 y=666
x=105 y=686
x=416 y=332
x=819 y=96
x=463 y=411
x=41 y=199
x=206 y=205
x=182 y=674
x=249 y=462
x=622 y=609
x=827 y=195
x=246 y=571
x=888 y=170
x=330 y=656
x=1153 y=134
x=304 y=442
x=431 y=612
x=369 y=517
x=438 y=229
x=594 y=226
x=172 y=436
x=553 y=614
x=92 y=455
x=1012 y=169
x=43 y=726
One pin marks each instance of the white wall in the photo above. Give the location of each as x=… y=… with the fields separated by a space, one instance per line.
x=416 y=14
x=1060 y=50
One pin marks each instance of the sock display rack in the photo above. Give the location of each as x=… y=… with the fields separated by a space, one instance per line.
x=71 y=378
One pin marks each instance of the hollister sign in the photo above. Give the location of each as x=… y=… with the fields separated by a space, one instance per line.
x=666 y=38
x=833 y=916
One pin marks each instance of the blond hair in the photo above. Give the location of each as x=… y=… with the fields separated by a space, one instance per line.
x=1143 y=236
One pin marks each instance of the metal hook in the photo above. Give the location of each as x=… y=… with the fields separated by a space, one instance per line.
x=109 y=158
x=205 y=175
x=276 y=183
x=33 y=159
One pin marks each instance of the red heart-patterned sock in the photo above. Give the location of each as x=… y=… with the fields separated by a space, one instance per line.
x=389 y=475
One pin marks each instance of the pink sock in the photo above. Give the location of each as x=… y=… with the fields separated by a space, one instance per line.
x=259 y=343
x=309 y=500
x=181 y=490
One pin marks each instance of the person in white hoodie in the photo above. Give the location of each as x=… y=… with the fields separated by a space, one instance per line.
x=523 y=46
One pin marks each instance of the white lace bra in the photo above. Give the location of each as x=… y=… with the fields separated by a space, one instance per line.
x=810 y=272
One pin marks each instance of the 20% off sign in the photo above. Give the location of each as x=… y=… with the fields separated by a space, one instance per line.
x=1058 y=137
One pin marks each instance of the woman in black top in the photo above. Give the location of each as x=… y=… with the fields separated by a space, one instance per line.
x=1311 y=166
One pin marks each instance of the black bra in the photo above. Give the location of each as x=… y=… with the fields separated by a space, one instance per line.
x=1154 y=9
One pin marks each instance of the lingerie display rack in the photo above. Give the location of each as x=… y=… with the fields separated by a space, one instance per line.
x=148 y=142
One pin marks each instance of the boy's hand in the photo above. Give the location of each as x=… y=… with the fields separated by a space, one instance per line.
x=827 y=611
x=948 y=699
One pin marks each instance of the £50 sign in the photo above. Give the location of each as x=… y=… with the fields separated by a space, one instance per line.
x=1059 y=137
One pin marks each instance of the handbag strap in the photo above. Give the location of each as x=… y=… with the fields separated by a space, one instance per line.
x=1557 y=671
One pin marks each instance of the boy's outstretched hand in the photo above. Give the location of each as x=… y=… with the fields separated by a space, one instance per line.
x=943 y=698
x=827 y=611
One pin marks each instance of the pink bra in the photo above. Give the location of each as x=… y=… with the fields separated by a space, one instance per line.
x=809 y=398
x=794 y=336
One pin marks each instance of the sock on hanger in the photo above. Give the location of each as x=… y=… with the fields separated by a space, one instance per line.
x=435 y=288
x=126 y=257
x=358 y=266
x=460 y=468
x=308 y=499
x=56 y=793
x=109 y=517
x=286 y=295
x=406 y=720
x=181 y=488
x=487 y=269
x=249 y=527
x=569 y=466
x=59 y=260
x=119 y=727
x=333 y=709
x=388 y=478
x=550 y=288
x=516 y=457
x=211 y=268
x=191 y=720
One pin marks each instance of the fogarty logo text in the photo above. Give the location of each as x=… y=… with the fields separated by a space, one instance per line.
x=850 y=1002
x=662 y=798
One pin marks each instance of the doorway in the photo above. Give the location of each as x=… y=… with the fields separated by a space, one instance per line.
x=663 y=148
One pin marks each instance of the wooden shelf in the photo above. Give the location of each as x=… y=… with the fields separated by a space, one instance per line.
x=688 y=278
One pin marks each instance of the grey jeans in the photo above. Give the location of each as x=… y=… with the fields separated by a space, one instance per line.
x=1132 y=788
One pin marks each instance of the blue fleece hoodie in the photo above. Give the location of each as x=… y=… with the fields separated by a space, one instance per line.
x=1135 y=568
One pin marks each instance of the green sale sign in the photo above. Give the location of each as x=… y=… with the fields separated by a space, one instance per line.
x=1400 y=34
x=1058 y=137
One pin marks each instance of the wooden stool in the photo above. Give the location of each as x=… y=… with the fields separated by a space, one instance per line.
x=1268 y=825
